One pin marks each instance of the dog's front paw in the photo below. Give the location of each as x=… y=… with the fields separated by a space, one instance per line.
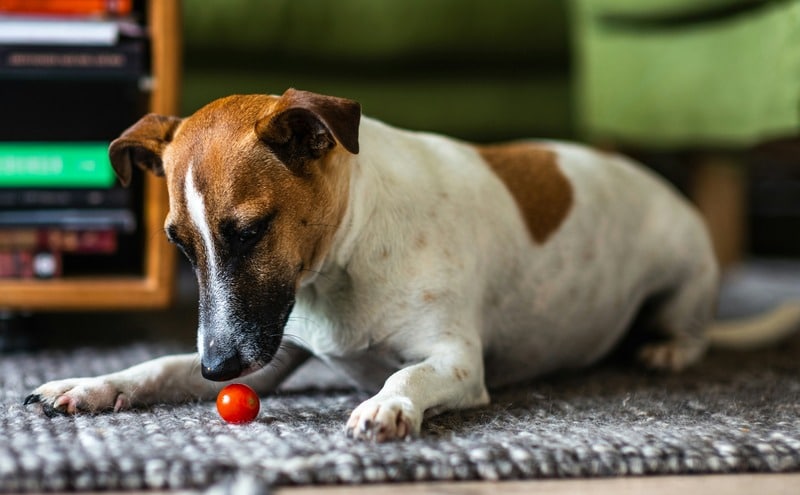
x=383 y=419
x=79 y=395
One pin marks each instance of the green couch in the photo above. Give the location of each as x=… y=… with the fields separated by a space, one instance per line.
x=715 y=78
x=671 y=74
x=471 y=68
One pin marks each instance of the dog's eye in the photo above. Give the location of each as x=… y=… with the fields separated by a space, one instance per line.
x=172 y=237
x=248 y=236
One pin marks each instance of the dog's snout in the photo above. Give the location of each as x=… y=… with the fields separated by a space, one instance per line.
x=221 y=367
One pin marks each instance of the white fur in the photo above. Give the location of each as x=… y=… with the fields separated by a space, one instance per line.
x=498 y=282
x=218 y=291
x=433 y=287
x=525 y=308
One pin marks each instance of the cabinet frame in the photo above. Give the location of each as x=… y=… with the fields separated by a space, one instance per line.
x=155 y=286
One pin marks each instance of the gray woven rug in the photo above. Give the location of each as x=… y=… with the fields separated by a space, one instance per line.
x=736 y=412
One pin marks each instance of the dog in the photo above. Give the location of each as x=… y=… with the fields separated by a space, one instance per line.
x=428 y=270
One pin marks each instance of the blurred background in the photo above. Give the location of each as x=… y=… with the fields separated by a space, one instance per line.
x=706 y=92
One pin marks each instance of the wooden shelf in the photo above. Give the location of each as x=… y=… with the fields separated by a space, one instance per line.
x=155 y=287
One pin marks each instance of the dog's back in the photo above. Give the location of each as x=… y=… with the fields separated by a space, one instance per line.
x=556 y=282
x=628 y=236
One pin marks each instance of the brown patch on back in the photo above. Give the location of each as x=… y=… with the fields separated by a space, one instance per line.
x=532 y=175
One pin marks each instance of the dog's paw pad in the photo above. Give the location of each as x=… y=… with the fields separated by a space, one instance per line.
x=381 y=420
x=66 y=404
x=122 y=403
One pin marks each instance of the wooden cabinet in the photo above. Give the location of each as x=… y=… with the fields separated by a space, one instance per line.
x=151 y=285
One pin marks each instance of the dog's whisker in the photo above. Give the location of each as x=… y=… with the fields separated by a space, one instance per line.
x=317 y=273
x=294 y=317
x=294 y=340
x=195 y=367
x=303 y=320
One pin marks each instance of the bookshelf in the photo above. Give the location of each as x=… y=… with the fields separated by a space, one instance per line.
x=150 y=285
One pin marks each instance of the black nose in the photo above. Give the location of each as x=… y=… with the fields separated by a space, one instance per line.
x=221 y=368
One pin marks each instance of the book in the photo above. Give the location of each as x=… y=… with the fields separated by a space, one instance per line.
x=122 y=220
x=54 y=164
x=87 y=109
x=68 y=7
x=23 y=30
x=54 y=198
x=65 y=198
x=59 y=240
x=30 y=264
x=126 y=59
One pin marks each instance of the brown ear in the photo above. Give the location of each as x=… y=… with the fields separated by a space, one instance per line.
x=142 y=145
x=305 y=126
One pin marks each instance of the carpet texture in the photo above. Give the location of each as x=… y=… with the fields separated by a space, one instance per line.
x=735 y=412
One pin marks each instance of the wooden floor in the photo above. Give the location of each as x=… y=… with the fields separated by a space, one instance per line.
x=760 y=484
x=743 y=484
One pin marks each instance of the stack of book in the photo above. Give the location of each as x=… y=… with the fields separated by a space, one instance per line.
x=73 y=75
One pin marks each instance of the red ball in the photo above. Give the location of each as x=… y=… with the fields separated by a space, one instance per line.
x=237 y=403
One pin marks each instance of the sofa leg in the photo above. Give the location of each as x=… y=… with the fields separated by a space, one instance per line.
x=719 y=189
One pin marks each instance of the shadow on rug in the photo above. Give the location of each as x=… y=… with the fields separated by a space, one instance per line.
x=735 y=412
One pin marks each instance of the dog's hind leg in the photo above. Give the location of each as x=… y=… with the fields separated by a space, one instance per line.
x=682 y=319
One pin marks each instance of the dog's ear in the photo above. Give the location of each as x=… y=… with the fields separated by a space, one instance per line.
x=142 y=145
x=305 y=126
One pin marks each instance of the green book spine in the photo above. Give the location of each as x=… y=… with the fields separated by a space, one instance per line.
x=62 y=165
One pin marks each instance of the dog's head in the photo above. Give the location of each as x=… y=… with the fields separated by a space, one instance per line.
x=257 y=187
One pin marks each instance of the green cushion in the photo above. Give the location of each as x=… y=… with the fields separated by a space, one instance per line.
x=727 y=81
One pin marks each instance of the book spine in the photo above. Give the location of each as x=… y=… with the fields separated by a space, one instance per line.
x=126 y=59
x=121 y=220
x=57 y=240
x=30 y=264
x=68 y=7
x=24 y=199
x=52 y=164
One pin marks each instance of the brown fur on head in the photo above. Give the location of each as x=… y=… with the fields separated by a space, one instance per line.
x=272 y=177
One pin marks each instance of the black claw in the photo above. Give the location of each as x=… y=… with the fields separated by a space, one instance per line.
x=52 y=412
x=47 y=409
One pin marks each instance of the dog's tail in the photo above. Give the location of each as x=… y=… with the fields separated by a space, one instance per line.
x=759 y=331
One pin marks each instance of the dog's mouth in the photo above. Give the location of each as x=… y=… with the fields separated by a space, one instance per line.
x=241 y=320
x=243 y=347
x=229 y=369
x=242 y=357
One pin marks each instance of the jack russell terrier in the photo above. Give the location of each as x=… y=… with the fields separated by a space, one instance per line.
x=424 y=268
